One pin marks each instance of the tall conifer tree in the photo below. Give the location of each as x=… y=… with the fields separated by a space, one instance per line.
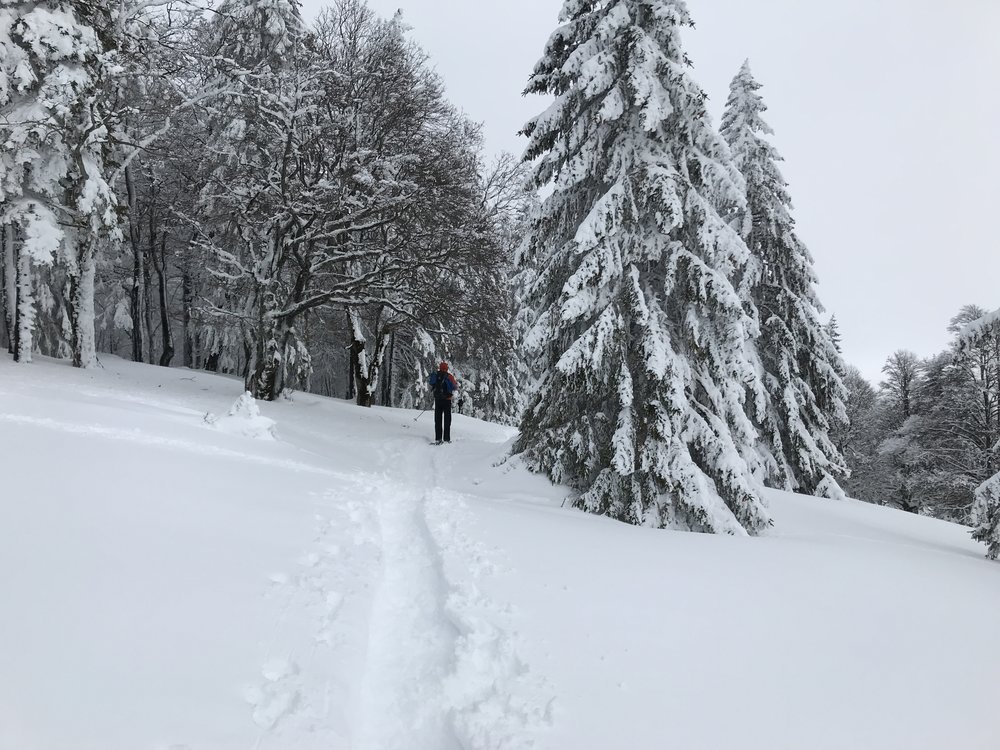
x=645 y=345
x=982 y=337
x=799 y=355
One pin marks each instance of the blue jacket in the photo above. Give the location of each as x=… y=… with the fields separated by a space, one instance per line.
x=448 y=385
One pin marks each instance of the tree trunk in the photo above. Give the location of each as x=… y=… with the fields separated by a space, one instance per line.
x=359 y=358
x=270 y=368
x=906 y=501
x=361 y=378
x=262 y=374
x=267 y=352
x=24 y=311
x=135 y=305
x=10 y=287
x=266 y=372
x=187 y=296
x=381 y=346
x=136 y=310
x=167 y=353
x=352 y=363
x=147 y=311
x=147 y=290
x=367 y=369
x=389 y=370
x=81 y=305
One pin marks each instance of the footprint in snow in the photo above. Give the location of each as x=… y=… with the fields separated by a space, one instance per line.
x=277 y=696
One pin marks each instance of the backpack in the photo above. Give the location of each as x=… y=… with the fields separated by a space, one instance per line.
x=442 y=386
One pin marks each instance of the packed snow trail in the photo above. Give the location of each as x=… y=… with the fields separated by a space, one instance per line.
x=439 y=675
x=411 y=644
x=401 y=650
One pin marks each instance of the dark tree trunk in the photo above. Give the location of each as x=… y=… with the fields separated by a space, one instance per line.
x=388 y=370
x=352 y=358
x=352 y=363
x=359 y=359
x=135 y=306
x=187 y=295
x=147 y=310
x=361 y=380
x=266 y=373
x=138 y=261
x=72 y=292
x=9 y=289
x=369 y=367
x=167 y=353
x=147 y=278
x=906 y=501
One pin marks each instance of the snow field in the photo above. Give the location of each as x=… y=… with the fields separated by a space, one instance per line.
x=169 y=584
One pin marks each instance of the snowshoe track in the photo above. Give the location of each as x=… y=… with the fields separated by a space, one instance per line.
x=439 y=669
x=411 y=644
x=442 y=670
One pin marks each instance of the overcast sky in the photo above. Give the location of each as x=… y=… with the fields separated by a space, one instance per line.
x=887 y=113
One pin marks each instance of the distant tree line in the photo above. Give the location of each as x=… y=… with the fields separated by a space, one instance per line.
x=927 y=439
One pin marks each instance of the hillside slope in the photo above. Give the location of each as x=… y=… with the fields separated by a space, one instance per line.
x=334 y=581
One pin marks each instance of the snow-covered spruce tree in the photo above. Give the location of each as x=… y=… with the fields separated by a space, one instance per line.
x=981 y=339
x=527 y=366
x=986 y=516
x=645 y=341
x=976 y=358
x=833 y=329
x=802 y=366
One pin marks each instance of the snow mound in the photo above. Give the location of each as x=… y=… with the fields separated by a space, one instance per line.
x=829 y=489
x=244 y=419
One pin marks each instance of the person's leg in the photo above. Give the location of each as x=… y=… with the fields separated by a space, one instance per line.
x=447 y=421
x=438 y=414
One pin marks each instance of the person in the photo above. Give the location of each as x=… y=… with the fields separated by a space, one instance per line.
x=443 y=384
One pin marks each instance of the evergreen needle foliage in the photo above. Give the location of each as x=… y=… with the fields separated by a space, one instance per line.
x=643 y=343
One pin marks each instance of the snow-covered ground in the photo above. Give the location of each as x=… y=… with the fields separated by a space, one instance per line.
x=176 y=576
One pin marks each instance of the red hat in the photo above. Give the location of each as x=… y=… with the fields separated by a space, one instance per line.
x=443 y=367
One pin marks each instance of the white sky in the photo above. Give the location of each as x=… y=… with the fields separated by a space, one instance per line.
x=886 y=112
